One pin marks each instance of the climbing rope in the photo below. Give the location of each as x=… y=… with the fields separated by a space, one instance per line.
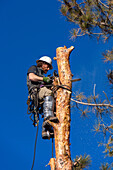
x=64 y=87
x=52 y=147
x=35 y=146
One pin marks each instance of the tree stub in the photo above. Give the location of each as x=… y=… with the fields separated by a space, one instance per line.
x=62 y=128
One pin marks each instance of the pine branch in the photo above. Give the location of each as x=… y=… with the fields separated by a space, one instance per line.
x=106 y=166
x=81 y=162
x=92 y=104
x=89 y=16
x=103 y=4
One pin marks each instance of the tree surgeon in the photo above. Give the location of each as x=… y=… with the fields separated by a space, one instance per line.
x=36 y=82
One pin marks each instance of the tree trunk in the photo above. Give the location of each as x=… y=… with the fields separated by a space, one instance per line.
x=62 y=128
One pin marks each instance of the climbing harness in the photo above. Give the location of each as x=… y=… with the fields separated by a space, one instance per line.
x=34 y=106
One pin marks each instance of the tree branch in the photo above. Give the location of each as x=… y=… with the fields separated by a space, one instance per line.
x=103 y=4
x=92 y=104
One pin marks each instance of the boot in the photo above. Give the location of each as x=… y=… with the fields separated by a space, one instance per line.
x=45 y=135
x=47 y=131
x=48 y=109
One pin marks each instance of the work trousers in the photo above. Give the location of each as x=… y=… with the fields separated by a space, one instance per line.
x=40 y=94
x=43 y=92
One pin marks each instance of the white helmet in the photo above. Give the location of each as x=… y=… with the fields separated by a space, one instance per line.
x=47 y=60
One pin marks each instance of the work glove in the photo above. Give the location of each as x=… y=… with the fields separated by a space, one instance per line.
x=46 y=80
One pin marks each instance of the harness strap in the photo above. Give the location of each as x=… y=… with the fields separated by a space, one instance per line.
x=33 y=105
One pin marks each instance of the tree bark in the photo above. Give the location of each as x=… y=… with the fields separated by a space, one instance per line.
x=62 y=128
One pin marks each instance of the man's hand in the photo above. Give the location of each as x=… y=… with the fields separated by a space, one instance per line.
x=46 y=80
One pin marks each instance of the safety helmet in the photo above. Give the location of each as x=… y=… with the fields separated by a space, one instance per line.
x=47 y=60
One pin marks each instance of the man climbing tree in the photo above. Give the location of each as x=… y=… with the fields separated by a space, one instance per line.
x=36 y=82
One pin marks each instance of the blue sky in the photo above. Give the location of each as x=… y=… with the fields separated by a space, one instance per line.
x=29 y=30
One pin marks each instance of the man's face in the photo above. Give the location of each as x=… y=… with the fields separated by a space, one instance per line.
x=45 y=67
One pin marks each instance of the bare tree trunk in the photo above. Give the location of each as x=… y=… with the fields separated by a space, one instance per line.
x=62 y=128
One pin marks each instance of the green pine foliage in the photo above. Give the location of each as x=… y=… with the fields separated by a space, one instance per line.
x=108 y=55
x=92 y=17
x=81 y=162
x=106 y=166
